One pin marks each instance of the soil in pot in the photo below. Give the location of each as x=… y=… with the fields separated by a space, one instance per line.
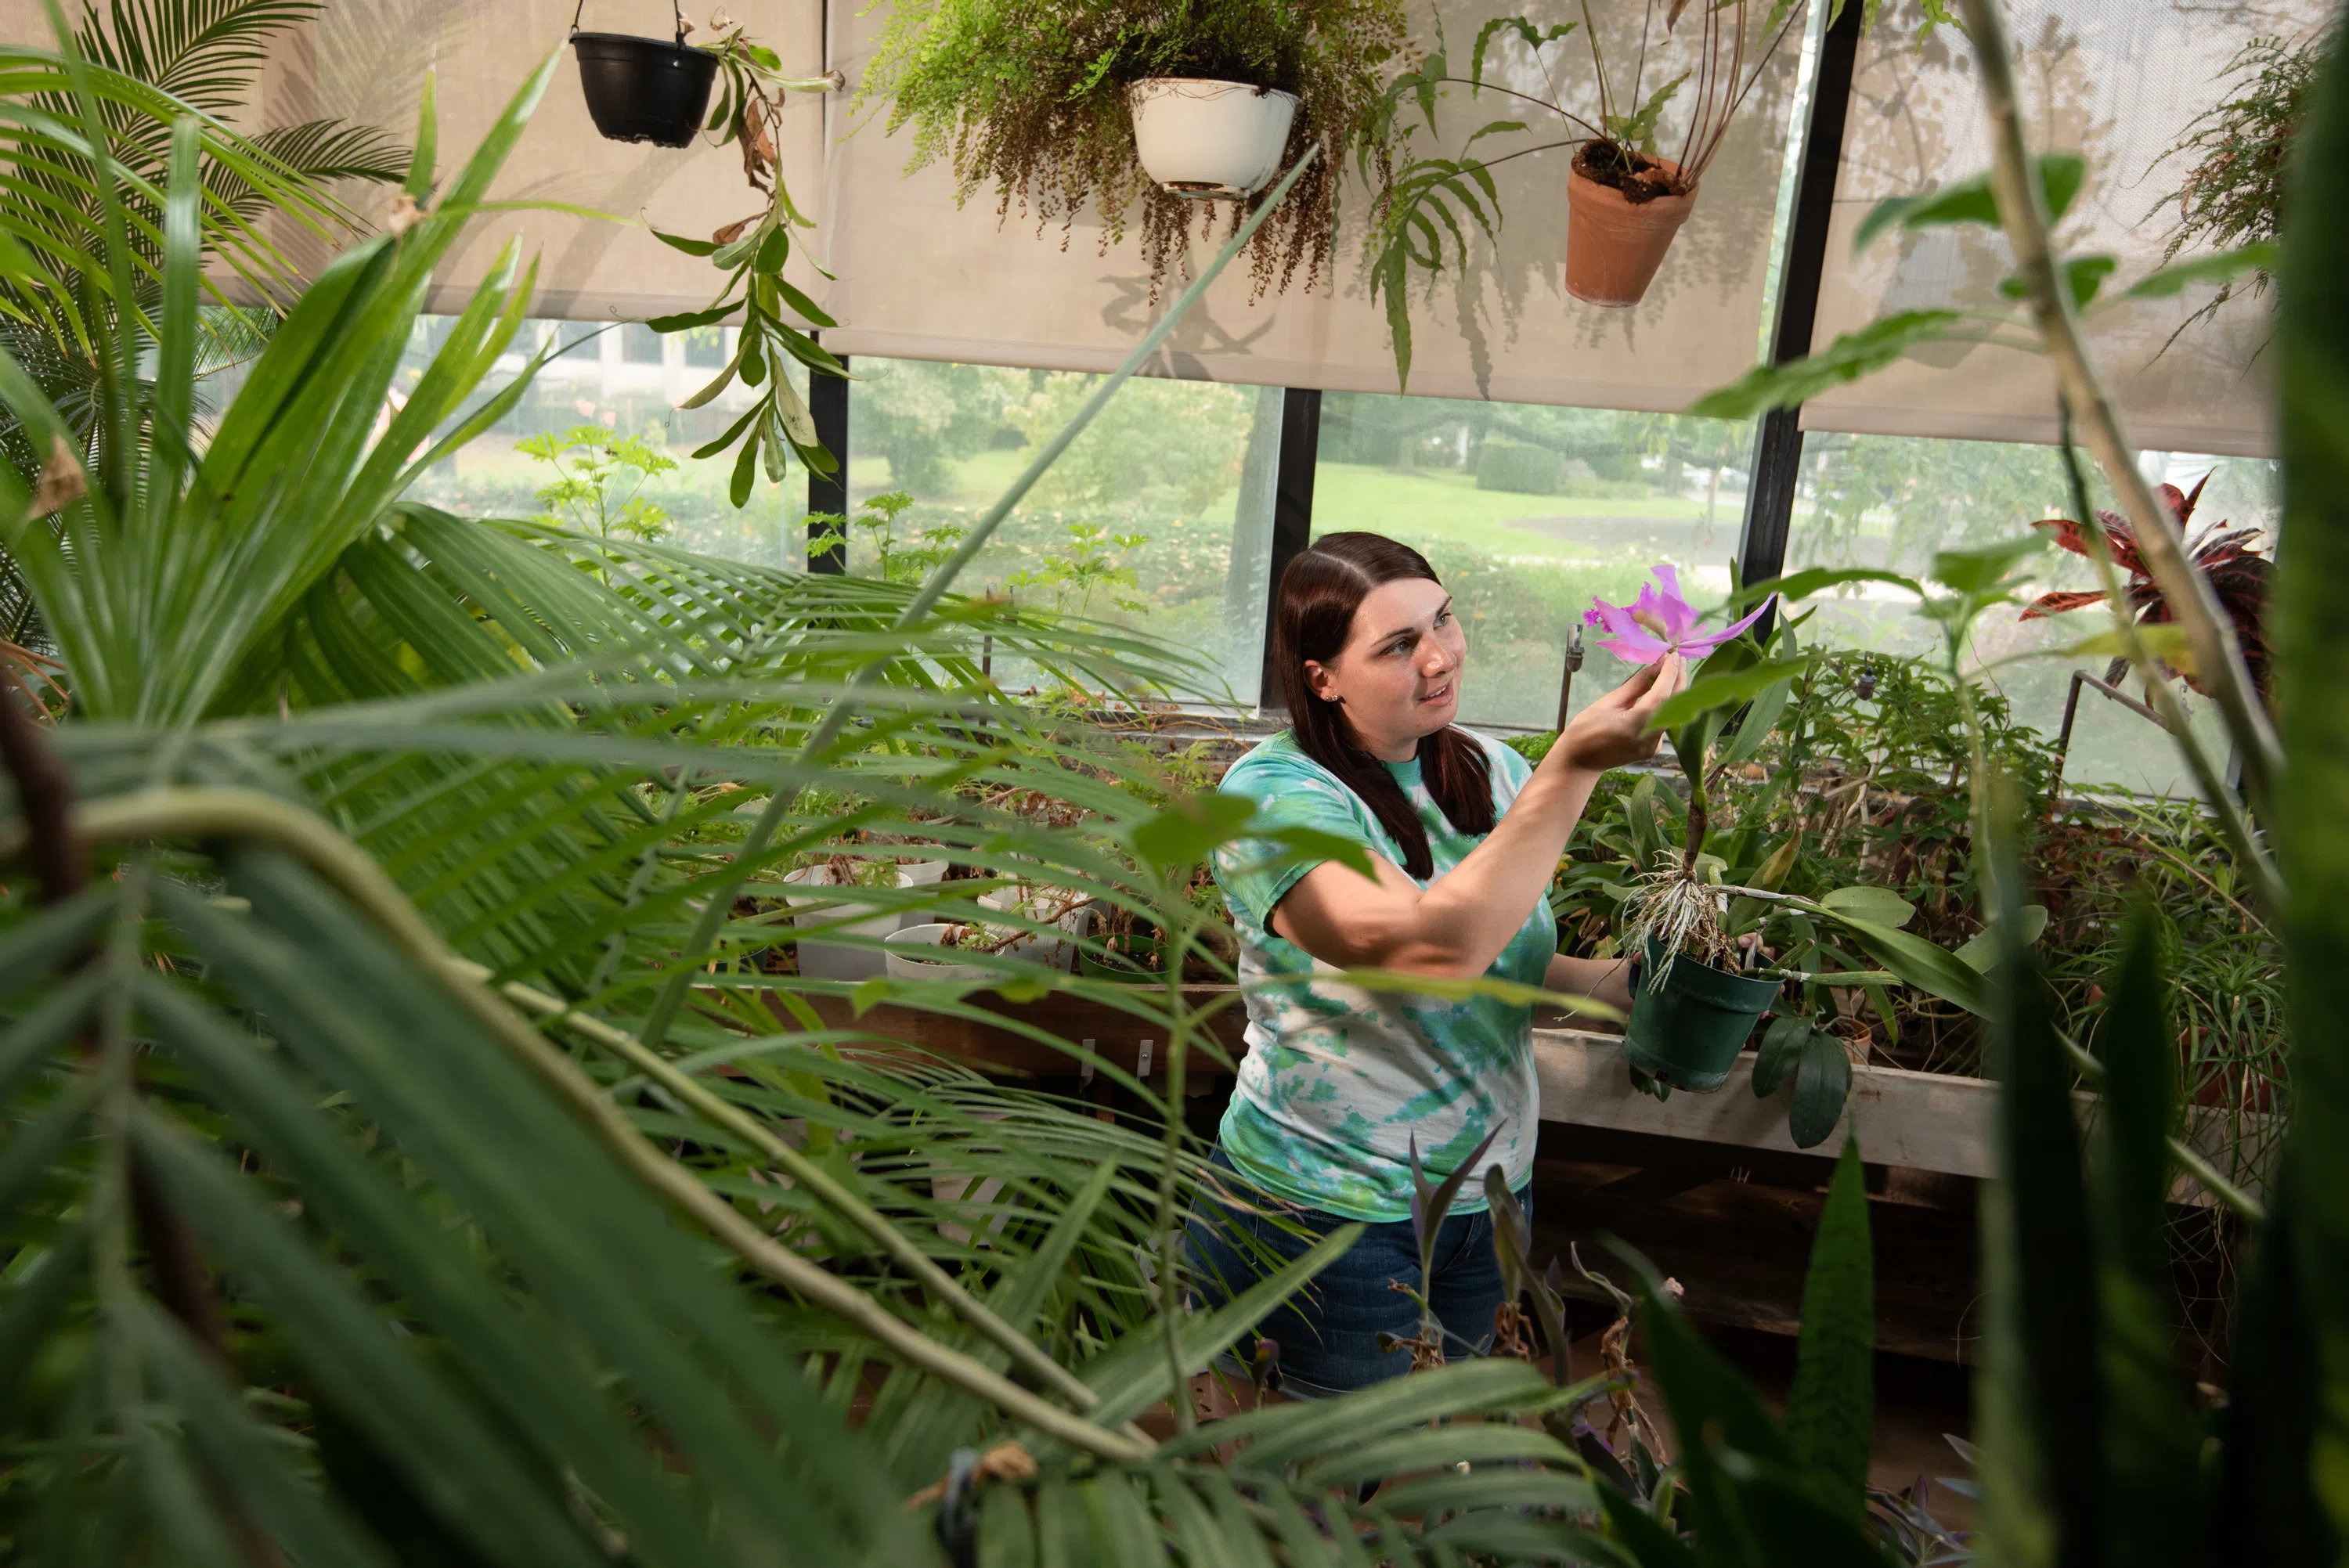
x=1688 y=1030
x=644 y=89
x=1209 y=139
x=1622 y=216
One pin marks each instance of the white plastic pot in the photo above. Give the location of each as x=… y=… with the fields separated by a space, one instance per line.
x=917 y=954
x=1209 y=139
x=829 y=960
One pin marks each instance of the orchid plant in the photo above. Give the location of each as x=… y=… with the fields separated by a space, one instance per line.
x=1659 y=621
x=1677 y=907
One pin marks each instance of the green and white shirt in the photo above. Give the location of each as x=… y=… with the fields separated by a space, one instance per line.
x=1337 y=1079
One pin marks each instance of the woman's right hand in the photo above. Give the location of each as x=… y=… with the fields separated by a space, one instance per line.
x=1613 y=732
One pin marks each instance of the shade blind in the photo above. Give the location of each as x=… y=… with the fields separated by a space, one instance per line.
x=2118 y=81
x=366 y=61
x=919 y=278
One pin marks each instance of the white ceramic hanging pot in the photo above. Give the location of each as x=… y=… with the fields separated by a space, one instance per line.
x=1209 y=138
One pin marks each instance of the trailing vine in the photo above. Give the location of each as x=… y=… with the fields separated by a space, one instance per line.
x=1032 y=101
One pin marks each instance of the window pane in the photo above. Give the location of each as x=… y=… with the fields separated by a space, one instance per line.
x=639 y=343
x=705 y=346
x=1158 y=517
x=1528 y=514
x=1893 y=502
x=578 y=394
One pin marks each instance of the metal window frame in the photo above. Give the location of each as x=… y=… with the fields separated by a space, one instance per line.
x=1776 y=469
x=1292 y=515
x=828 y=406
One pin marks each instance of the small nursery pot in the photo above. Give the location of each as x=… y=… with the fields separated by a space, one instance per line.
x=644 y=90
x=1613 y=245
x=1688 y=1031
x=1209 y=139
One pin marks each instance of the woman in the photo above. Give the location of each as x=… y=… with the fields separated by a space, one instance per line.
x=1338 y=1082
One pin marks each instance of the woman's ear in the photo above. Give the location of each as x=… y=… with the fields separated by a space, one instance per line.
x=1320 y=682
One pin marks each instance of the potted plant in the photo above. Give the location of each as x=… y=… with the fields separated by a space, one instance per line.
x=751 y=252
x=1630 y=183
x=817 y=908
x=1696 y=920
x=927 y=951
x=1691 y=1006
x=1103 y=103
x=644 y=90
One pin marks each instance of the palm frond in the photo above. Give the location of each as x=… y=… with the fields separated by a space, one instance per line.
x=205 y=53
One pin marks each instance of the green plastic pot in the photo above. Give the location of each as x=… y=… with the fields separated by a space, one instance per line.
x=1144 y=965
x=1688 y=1031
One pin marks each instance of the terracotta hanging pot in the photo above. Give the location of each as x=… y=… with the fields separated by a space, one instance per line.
x=1614 y=244
x=644 y=89
x=1209 y=139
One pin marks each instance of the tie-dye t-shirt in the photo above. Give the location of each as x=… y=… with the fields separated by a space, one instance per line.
x=1337 y=1079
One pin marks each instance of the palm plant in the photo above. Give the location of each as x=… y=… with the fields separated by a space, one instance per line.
x=405 y=1161
x=142 y=68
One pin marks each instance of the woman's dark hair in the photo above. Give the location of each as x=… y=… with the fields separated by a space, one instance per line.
x=1312 y=617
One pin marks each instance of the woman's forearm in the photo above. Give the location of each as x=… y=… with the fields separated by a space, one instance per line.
x=1457 y=925
x=1475 y=910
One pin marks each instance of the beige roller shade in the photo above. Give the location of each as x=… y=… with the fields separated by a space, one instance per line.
x=366 y=60
x=917 y=278
x=2118 y=82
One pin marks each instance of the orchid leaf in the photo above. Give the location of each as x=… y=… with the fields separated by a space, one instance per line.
x=1975 y=572
x=1781 y=1048
x=1822 y=1084
x=1709 y=693
x=1799 y=585
x=1880 y=905
x=1981 y=951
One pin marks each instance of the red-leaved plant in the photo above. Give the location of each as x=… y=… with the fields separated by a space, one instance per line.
x=2237 y=575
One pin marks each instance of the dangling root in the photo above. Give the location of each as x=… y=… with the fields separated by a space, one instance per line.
x=1683 y=915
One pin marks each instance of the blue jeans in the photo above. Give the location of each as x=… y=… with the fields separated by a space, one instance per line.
x=1328 y=1334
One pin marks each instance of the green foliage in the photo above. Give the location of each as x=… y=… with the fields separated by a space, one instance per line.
x=1032 y=103
x=146 y=63
x=1830 y=1409
x=1865 y=350
x=597 y=491
x=753 y=252
x=2235 y=155
x=1091 y=562
x=893 y=561
x=1510 y=466
x=345 y=1213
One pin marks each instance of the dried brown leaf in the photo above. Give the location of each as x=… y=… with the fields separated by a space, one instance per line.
x=62 y=481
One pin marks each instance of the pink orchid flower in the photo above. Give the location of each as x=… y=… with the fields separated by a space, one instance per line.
x=1657 y=623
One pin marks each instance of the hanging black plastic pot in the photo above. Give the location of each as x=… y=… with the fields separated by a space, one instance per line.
x=644 y=89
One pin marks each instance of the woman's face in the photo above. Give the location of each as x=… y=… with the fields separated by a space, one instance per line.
x=1398 y=676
